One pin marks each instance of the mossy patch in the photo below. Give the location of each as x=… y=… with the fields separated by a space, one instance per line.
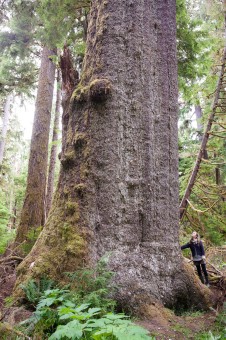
x=68 y=159
x=80 y=94
x=84 y=170
x=72 y=208
x=80 y=189
x=100 y=90
x=76 y=246
x=79 y=139
x=7 y=332
x=32 y=236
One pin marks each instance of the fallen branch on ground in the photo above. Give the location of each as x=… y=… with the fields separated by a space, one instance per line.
x=10 y=258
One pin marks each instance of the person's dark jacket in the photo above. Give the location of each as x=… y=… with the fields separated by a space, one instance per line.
x=196 y=248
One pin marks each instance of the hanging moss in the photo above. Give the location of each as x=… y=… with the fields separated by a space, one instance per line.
x=79 y=139
x=80 y=94
x=97 y=90
x=72 y=208
x=80 y=189
x=68 y=159
x=100 y=89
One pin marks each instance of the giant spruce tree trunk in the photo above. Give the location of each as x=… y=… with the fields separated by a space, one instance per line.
x=32 y=215
x=118 y=187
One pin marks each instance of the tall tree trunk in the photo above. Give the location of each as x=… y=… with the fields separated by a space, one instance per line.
x=54 y=147
x=14 y=215
x=118 y=187
x=5 y=125
x=198 y=115
x=32 y=214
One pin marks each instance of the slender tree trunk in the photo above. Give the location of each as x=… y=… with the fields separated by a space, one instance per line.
x=217 y=104
x=5 y=125
x=32 y=215
x=54 y=147
x=14 y=214
x=198 y=115
x=118 y=187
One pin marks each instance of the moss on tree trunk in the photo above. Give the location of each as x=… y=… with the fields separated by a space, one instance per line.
x=118 y=187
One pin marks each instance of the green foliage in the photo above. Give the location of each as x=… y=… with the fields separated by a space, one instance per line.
x=6 y=234
x=110 y=326
x=13 y=175
x=72 y=314
x=32 y=236
x=34 y=290
x=93 y=285
x=59 y=20
x=192 y=51
x=66 y=320
x=210 y=336
x=18 y=72
x=17 y=75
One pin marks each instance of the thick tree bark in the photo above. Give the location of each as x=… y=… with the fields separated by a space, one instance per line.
x=32 y=215
x=5 y=124
x=118 y=187
x=54 y=147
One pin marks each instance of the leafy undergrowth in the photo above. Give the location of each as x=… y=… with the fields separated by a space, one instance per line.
x=58 y=317
x=82 y=310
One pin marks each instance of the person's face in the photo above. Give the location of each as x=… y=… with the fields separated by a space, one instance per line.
x=194 y=235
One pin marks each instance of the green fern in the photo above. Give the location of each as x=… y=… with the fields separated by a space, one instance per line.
x=61 y=317
x=92 y=286
x=34 y=290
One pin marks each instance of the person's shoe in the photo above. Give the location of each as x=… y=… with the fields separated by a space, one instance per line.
x=201 y=278
x=207 y=281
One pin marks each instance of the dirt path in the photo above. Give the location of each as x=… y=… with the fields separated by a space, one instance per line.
x=165 y=325
x=7 y=281
x=180 y=327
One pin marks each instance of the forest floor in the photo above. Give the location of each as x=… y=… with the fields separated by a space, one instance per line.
x=189 y=325
x=164 y=326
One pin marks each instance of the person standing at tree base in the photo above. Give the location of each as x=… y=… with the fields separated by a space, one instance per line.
x=198 y=256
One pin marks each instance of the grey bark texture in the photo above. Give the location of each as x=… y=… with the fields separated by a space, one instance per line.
x=32 y=215
x=198 y=115
x=5 y=125
x=54 y=147
x=118 y=187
